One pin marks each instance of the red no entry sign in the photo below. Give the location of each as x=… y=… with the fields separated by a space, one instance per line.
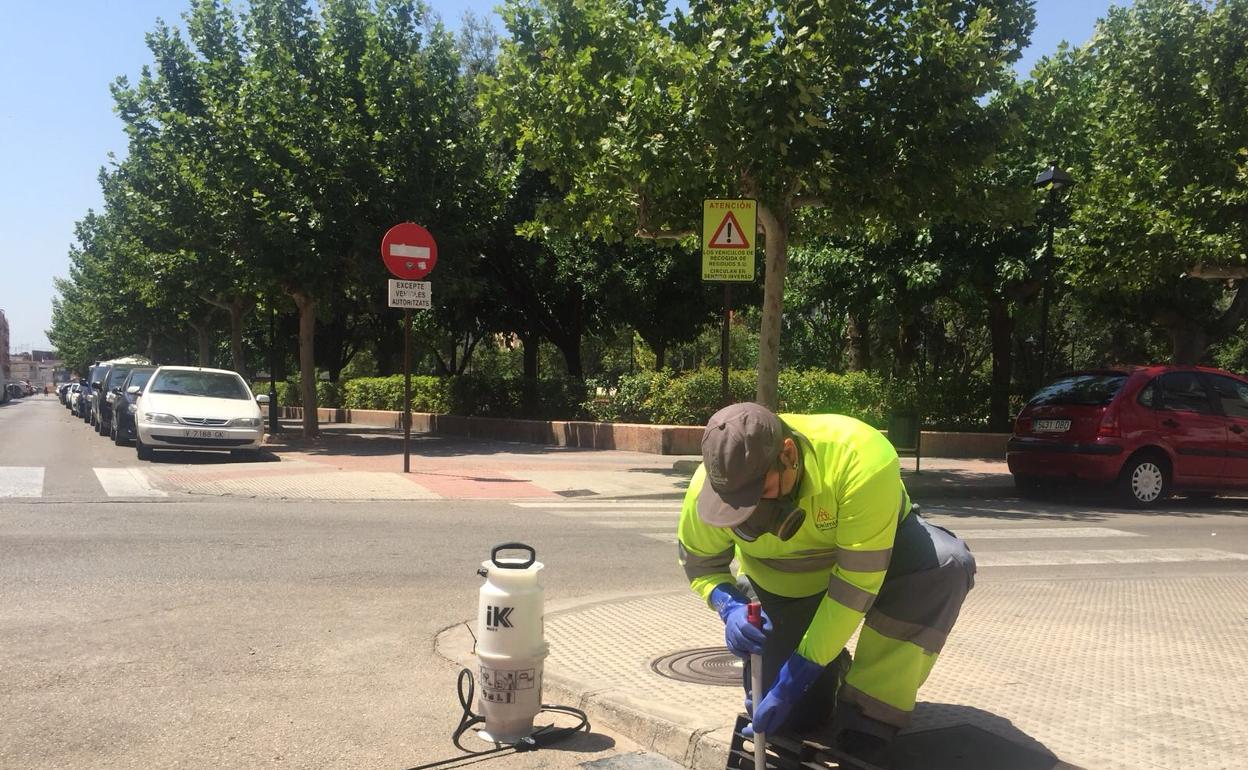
x=409 y=251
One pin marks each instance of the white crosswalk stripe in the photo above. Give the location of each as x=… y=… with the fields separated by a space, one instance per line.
x=30 y=482
x=1023 y=533
x=21 y=482
x=1098 y=556
x=127 y=482
x=656 y=520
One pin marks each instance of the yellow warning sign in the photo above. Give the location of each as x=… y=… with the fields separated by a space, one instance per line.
x=728 y=238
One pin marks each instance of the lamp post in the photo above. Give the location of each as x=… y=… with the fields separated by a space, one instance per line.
x=274 y=426
x=1056 y=180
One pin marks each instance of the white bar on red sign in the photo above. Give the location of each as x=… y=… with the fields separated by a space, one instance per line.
x=403 y=250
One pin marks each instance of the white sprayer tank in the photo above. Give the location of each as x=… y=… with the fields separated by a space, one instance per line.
x=510 y=644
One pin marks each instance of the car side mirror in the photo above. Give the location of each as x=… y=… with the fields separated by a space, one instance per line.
x=263 y=398
x=133 y=390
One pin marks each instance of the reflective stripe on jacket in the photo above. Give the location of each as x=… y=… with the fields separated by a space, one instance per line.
x=853 y=496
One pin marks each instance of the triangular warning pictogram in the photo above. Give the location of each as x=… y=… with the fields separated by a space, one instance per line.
x=729 y=235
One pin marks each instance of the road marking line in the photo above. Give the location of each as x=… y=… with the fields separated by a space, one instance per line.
x=648 y=523
x=667 y=505
x=670 y=515
x=127 y=482
x=1022 y=533
x=1124 y=556
x=21 y=482
x=662 y=537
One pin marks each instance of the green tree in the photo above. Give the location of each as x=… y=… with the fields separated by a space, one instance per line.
x=1160 y=222
x=872 y=111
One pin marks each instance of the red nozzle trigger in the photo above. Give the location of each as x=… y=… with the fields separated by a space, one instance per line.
x=754 y=614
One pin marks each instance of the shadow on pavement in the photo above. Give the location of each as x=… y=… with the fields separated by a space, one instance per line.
x=979 y=740
x=372 y=442
x=192 y=457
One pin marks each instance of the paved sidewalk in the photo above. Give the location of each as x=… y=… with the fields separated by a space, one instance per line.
x=349 y=462
x=996 y=699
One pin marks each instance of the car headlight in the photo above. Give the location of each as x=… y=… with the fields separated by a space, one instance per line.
x=245 y=422
x=160 y=417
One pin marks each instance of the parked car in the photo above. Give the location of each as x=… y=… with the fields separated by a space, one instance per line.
x=184 y=407
x=109 y=393
x=73 y=397
x=86 y=393
x=123 y=407
x=1147 y=430
x=15 y=390
x=62 y=391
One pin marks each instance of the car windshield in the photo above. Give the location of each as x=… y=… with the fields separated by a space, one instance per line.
x=1080 y=390
x=210 y=384
x=139 y=378
x=117 y=376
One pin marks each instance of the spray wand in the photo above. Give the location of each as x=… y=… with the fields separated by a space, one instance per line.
x=754 y=614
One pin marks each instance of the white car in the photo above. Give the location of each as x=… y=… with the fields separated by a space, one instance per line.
x=185 y=407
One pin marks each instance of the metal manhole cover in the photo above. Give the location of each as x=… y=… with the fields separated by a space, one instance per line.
x=706 y=665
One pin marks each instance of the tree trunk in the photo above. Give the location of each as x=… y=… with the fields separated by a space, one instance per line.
x=1188 y=342
x=307 y=363
x=531 y=342
x=150 y=351
x=858 y=334
x=776 y=226
x=570 y=347
x=907 y=346
x=203 y=340
x=1001 y=331
x=239 y=308
x=660 y=355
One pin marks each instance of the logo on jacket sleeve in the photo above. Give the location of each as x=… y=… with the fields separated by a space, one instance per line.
x=825 y=520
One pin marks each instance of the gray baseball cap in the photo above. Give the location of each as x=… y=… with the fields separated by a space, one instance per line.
x=739 y=446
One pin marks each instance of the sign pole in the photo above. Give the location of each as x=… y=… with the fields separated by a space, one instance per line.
x=723 y=347
x=407 y=391
x=409 y=252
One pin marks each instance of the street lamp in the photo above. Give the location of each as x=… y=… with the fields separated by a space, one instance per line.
x=274 y=426
x=1056 y=180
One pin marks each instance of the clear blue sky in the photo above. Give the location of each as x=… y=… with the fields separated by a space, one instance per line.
x=57 y=125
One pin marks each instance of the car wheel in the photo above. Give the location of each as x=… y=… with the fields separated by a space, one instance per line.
x=119 y=438
x=1145 y=481
x=144 y=453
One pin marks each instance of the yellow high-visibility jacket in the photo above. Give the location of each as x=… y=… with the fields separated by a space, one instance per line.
x=852 y=493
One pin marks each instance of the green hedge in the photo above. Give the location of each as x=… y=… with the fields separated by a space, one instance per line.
x=328 y=395
x=690 y=399
x=659 y=397
x=470 y=395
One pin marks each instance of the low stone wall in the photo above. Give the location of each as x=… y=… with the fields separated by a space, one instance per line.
x=653 y=439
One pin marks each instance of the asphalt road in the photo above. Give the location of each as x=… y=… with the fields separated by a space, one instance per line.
x=239 y=633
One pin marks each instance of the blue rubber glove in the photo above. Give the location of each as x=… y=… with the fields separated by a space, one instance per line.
x=741 y=637
x=795 y=678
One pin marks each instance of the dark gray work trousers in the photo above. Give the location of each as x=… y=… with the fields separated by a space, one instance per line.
x=928 y=577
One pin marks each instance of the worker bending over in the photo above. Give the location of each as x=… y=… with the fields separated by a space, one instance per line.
x=813 y=509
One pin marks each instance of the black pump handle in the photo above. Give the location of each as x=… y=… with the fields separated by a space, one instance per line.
x=513 y=547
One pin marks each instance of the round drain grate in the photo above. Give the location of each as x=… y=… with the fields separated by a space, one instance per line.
x=708 y=665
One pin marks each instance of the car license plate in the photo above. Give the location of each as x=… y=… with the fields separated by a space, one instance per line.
x=203 y=433
x=1051 y=426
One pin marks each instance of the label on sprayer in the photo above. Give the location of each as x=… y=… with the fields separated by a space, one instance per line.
x=498 y=617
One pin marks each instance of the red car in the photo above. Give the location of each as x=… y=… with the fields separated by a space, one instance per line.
x=1147 y=430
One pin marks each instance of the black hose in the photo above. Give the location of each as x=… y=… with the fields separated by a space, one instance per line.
x=545 y=736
